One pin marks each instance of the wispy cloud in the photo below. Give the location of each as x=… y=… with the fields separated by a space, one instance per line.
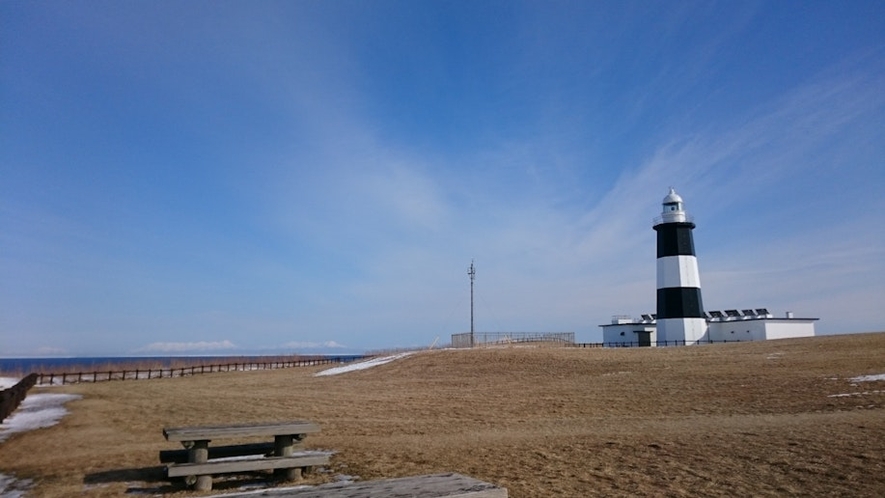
x=313 y=345
x=187 y=347
x=50 y=351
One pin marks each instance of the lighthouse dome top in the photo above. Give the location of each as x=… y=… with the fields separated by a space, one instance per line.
x=672 y=197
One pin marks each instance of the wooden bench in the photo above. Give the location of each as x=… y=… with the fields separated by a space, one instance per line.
x=198 y=462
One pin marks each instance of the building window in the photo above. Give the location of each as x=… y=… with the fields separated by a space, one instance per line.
x=622 y=333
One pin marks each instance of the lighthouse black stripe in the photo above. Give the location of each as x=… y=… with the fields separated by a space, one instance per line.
x=674 y=239
x=680 y=302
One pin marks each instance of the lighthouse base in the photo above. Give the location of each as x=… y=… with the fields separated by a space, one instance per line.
x=682 y=331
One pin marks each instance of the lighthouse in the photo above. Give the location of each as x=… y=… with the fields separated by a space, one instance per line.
x=681 y=319
x=680 y=311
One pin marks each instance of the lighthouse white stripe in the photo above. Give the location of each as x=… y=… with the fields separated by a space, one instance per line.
x=690 y=330
x=678 y=271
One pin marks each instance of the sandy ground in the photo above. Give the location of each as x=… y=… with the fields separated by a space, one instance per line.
x=777 y=418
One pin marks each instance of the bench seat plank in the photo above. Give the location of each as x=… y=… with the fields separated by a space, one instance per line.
x=427 y=486
x=300 y=459
x=209 y=433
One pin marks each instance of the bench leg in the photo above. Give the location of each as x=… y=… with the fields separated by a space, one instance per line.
x=285 y=446
x=199 y=453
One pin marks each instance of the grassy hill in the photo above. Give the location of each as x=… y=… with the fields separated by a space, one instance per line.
x=770 y=418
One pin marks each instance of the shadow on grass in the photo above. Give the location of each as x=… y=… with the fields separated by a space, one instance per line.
x=139 y=481
x=153 y=480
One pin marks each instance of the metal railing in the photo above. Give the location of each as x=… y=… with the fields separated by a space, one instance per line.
x=660 y=344
x=477 y=339
x=659 y=220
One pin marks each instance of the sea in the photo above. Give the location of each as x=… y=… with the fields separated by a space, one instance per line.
x=22 y=366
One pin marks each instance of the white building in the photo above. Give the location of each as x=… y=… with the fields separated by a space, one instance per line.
x=756 y=325
x=722 y=326
x=625 y=331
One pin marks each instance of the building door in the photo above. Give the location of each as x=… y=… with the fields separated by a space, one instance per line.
x=644 y=338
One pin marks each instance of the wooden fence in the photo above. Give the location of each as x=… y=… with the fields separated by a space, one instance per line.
x=12 y=397
x=171 y=372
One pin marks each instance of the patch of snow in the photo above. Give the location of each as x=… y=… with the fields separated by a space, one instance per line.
x=7 y=382
x=142 y=488
x=264 y=491
x=36 y=412
x=868 y=378
x=865 y=393
x=14 y=488
x=305 y=453
x=255 y=487
x=351 y=367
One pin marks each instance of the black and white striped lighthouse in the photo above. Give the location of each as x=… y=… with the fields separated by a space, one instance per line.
x=680 y=311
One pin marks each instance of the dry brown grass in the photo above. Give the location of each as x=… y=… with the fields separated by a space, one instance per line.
x=752 y=419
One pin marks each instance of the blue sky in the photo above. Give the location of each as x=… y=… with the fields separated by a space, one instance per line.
x=236 y=177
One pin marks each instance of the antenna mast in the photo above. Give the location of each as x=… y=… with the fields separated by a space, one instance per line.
x=471 y=272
